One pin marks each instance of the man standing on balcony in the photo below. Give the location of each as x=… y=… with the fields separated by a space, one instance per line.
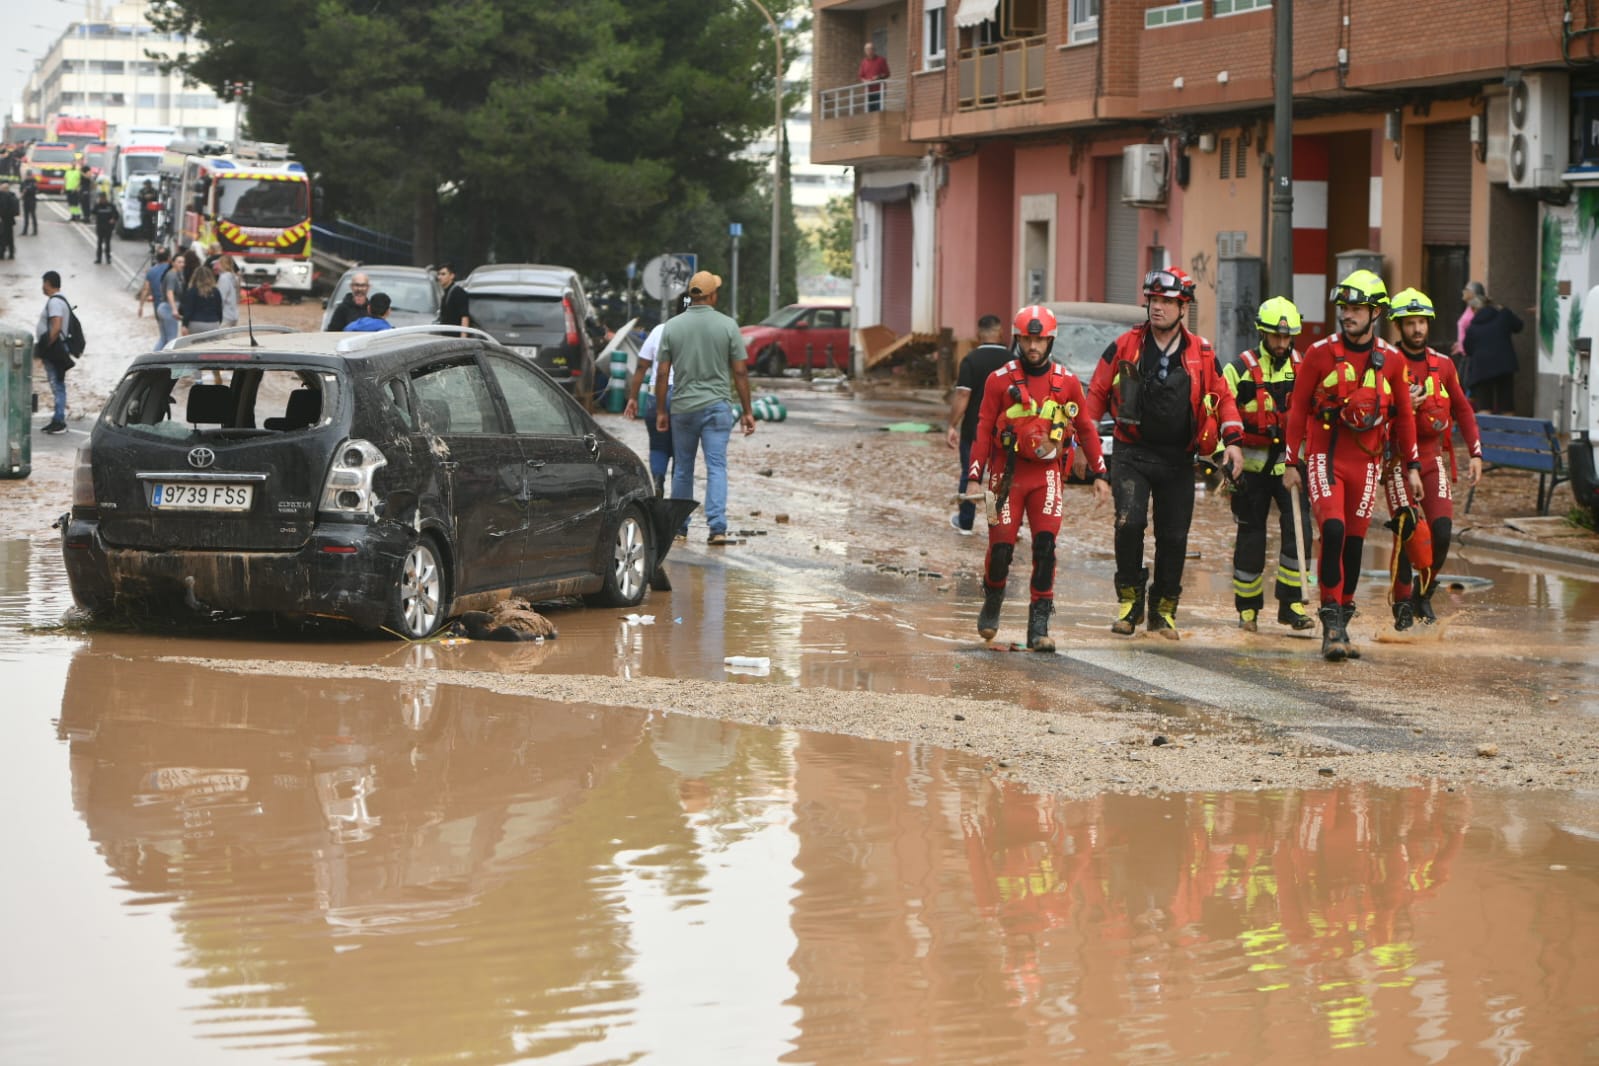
x=874 y=71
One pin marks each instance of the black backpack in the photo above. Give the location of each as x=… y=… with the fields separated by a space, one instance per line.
x=75 y=340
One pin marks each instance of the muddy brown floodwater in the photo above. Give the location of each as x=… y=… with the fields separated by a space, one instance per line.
x=237 y=843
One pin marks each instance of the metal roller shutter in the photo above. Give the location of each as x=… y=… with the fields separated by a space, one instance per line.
x=1446 y=211
x=1122 y=278
x=897 y=266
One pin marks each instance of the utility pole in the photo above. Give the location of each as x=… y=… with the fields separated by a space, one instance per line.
x=735 y=230
x=777 y=156
x=1282 y=164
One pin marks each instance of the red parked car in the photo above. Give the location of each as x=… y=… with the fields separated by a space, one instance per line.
x=784 y=339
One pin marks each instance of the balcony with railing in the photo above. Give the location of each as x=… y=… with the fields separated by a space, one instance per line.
x=1000 y=74
x=860 y=122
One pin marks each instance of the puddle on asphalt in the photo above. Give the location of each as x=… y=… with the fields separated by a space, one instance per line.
x=209 y=869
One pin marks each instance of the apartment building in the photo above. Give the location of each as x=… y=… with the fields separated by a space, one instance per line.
x=1054 y=150
x=102 y=67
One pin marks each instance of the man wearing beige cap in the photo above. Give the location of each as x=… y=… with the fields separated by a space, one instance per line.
x=705 y=354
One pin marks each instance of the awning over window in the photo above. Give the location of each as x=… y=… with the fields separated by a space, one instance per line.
x=887 y=194
x=973 y=12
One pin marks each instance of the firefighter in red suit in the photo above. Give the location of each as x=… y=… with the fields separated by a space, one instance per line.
x=1350 y=400
x=1440 y=404
x=1032 y=417
x=1169 y=402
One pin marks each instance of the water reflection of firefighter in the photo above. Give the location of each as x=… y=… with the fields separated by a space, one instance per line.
x=1350 y=395
x=1440 y=403
x=1261 y=381
x=1031 y=419
x=1159 y=383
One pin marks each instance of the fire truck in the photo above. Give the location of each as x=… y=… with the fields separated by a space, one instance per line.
x=23 y=132
x=78 y=131
x=250 y=200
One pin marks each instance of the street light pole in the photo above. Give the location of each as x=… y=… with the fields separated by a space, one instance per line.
x=1282 y=164
x=777 y=157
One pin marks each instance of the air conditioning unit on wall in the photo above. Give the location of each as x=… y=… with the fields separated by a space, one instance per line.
x=1540 y=129
x=1144 y=175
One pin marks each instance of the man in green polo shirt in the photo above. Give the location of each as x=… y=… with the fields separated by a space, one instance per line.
x=705 y=354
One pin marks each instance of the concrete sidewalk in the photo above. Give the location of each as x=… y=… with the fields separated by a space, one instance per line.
x=1549 y=538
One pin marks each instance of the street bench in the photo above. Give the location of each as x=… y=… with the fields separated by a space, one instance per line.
x=1510 y=443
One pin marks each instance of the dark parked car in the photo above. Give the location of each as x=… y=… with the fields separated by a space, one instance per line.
x=413 y=292
x=391 y=479
x=540 y=313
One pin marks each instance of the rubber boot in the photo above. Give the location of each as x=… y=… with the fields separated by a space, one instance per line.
x=1350 y=651
x=1404 y=615
x=1291 y=613
x=1163 y=619
x=988 y=617
x=1247 y=620
x=660 y=486
x=1129 y=610
x=1038 y=638
x=1333 y=647
x=1421 y=603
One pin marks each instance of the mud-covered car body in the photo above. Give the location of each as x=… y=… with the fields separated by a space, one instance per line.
x=390 y=479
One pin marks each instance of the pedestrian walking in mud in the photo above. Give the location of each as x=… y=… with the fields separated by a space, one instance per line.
x=1031 y=420
x=1350 y=401
x=1169 y=404
x=1423 y=527
x=967 y=403
x=1262 y=380
x=703 y=355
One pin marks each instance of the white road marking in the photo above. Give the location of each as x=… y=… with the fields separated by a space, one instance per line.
x=87 y=234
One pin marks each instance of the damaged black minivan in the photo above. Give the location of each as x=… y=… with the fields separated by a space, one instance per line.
x=390 y=479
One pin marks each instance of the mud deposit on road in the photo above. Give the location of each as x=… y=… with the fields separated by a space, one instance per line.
x=1066 y=747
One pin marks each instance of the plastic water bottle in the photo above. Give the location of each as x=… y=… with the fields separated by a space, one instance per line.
x=748 y=662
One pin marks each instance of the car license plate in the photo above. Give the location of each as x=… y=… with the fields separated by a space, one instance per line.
x=189 y=496
x=529 y=351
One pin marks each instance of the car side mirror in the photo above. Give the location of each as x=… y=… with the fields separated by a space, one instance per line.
x=802 y=325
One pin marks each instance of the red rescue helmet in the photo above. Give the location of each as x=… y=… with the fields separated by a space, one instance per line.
x=1170 y=282
x=1035 y=320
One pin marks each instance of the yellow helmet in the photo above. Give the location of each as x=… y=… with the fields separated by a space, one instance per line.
x=1361 y=287
x=1278 y=315
x=1410 y=303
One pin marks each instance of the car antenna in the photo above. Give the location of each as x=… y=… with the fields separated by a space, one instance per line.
x=249 y=322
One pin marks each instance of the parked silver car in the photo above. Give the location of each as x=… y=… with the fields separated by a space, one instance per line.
x=413 y=292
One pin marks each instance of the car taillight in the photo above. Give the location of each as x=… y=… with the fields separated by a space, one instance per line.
x=348 y=489
x=571 y=321
x=83 y=479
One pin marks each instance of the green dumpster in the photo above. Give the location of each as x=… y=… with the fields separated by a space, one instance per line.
x=16 y=402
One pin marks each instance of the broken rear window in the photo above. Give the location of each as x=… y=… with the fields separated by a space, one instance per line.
x=190 y=400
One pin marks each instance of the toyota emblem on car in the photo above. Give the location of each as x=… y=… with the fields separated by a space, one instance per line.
x=200 y=458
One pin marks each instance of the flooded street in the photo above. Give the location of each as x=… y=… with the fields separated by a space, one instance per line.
x=237 y=841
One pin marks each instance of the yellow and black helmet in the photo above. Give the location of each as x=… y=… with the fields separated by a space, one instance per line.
x=1361 y=287
x=1410 y=303
x=1278 y=315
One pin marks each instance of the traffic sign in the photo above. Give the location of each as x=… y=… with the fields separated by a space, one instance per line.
x=666 y=276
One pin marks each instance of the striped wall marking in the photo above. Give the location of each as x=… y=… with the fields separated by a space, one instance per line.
x=1310 y=204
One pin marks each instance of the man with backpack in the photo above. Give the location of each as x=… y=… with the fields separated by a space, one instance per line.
x=59 y=340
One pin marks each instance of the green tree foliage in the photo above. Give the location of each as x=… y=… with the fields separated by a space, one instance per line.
x=835 y=237
x=585 y=132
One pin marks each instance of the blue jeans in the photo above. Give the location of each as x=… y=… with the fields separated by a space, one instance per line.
x=167 y=322
x=968 y=509
x=660 y=443
x=708 y=428
x=58 y=389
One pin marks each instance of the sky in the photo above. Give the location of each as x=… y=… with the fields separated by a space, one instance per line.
x=31 y=27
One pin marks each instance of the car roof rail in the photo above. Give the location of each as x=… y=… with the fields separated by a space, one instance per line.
x=356 y=341
x=189 y=340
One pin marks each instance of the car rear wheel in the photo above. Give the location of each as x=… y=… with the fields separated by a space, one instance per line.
x=771 y=362
x=628 y=573
x=416 y=605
